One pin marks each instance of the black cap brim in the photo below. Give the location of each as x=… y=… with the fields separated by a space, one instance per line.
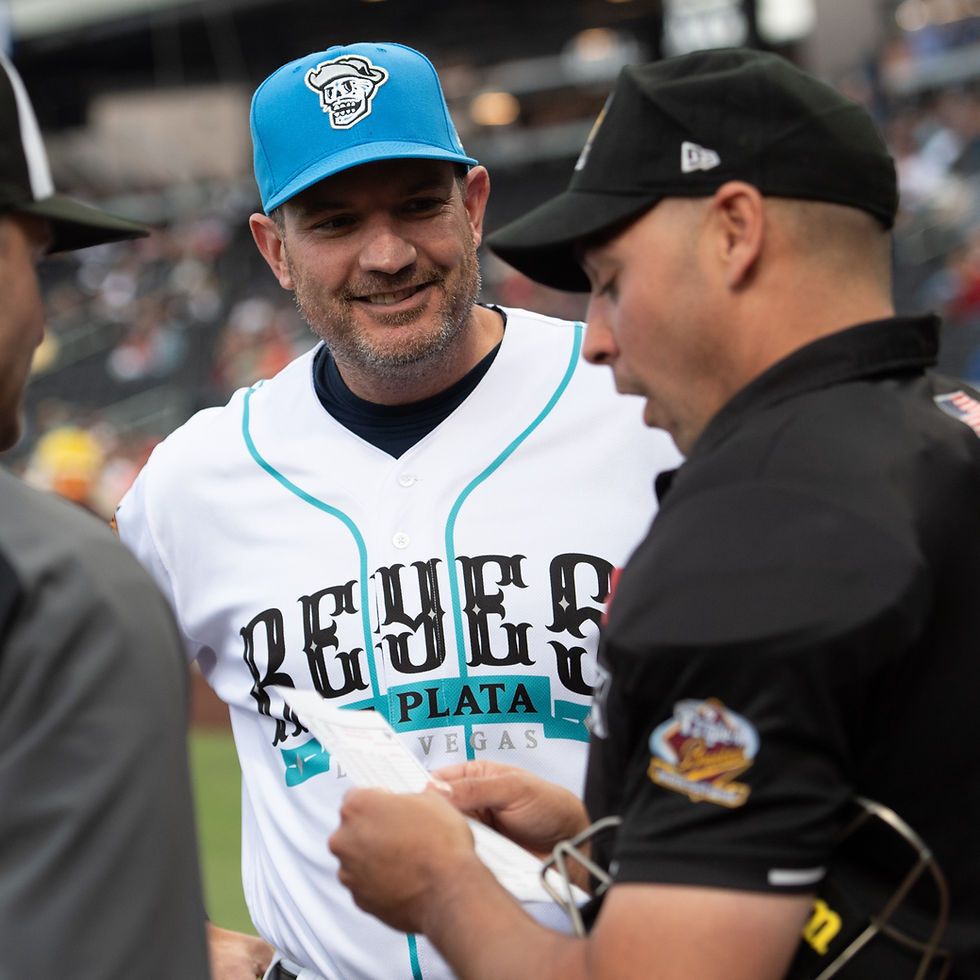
x=542 y=243
x=76 y=225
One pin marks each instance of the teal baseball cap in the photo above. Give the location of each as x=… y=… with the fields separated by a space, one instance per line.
x=345 y=106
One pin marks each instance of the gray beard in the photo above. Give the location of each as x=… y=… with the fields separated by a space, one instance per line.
x=348 y=347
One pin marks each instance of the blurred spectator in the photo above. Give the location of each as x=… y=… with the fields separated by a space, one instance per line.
x=955 y=291
x=959 y=111
x=258 y=340
x=921 y=173
x=68 y=460
x=179 y=315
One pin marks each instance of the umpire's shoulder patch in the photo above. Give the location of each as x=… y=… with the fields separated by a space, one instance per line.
x=701 y=749
x=961 y=407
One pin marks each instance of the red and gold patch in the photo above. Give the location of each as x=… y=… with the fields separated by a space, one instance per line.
x=700 y=751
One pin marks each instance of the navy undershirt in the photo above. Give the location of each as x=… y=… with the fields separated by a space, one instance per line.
x=394 y=429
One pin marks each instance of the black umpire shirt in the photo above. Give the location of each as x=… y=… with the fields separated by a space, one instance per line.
x=802 y=627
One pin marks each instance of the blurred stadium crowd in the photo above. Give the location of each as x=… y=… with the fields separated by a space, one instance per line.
x=142 y=335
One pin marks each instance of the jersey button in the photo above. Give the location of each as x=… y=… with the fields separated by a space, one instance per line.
x=407 y=480
x=401 y=540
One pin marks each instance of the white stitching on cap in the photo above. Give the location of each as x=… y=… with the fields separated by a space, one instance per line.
x=42 y=185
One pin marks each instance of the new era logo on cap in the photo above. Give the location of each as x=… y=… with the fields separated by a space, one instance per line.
x=694 y=157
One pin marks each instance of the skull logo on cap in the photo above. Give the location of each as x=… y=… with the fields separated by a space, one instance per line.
x=346 y=87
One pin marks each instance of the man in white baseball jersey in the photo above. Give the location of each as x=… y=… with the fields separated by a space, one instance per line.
x=421 y=515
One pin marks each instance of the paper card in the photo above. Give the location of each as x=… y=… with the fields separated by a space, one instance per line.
x=370 y=751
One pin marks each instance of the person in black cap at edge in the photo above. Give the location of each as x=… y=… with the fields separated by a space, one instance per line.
x=98 y=859
x=793 y=652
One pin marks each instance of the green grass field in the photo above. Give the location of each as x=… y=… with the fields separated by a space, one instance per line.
x=217 y=791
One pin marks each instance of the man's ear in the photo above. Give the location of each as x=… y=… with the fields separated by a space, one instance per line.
x=475 y=200
x=269 y=242
x=739 y=214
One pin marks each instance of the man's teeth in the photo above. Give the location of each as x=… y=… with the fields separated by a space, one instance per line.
x=387 y=299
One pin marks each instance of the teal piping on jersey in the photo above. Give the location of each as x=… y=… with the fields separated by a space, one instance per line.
x=573 y=362
x=450 y=551
x=413 y=955
x=347 y=522
x=413 y=951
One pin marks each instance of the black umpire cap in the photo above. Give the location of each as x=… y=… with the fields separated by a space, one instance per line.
x=684 y=126
x=25 y=177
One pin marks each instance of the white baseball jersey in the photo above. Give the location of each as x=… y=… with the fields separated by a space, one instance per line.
x=457 y=589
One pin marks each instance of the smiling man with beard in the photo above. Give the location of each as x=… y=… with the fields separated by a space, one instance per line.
x=382 y=262
x=421 y=515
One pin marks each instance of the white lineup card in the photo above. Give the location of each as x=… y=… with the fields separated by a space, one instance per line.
x=371 y=753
